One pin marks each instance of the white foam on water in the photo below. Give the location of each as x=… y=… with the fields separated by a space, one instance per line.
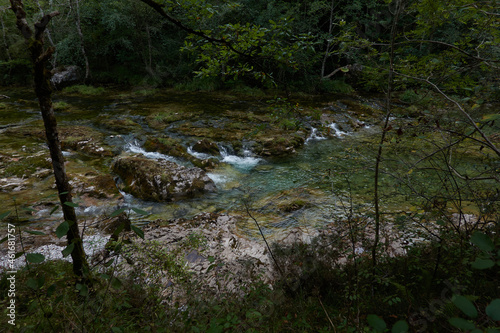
x=133 y=147
x=247 y=162
x=218 y=178
x=201 y=156
x=314 y=136
x=337 y=131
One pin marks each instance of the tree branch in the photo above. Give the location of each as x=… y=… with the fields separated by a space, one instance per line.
x=439 y=43
x=159 y=8
x=40 y=26
x=487 y=141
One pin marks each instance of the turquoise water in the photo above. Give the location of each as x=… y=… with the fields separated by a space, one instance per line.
x=317 y=185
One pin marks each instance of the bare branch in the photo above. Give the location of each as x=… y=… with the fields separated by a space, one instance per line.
x=487 y=141
x=440 y=43
x=159 y=8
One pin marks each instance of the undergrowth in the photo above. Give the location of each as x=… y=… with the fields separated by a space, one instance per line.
x=320 y=290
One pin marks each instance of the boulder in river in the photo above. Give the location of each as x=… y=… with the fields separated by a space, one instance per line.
x=206 y=146
x=65 y=76
x=161 y=180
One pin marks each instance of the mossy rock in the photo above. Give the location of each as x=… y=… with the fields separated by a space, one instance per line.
x=294 y=205
x=160 y=119
x=84 y=139
x=279 y=143
x=166 y=145
x=161 y=180
x=61 y=106
x=121 y=125
x=173 y=147
x=206 y=146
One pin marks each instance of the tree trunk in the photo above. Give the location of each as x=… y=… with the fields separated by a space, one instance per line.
x=80 y=35
x=54 y=58
x=327 y=51
x=43 y=90
x=376 y=196
x=4 y=37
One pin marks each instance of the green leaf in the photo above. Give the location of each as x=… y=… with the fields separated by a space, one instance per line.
x=4 y=215
x=138 y=231
x=40 y=282
x=492 y=330
x=116 y=283
x=3 y=240
x=490 y=117
x=35 y=258
x=108 y=263
x=71 y=204
x=482 y=241
x=116 y=330
x=493 y=310
x=62 y=229
x=140 y=211
x=82 y=288
x=117 y=212
x=32 y=283
x=54 y=210
x=483 y=263
x=67 y=251
x=28 y=209
x=84 y=291
x=51 y=290
x=376 y=322
x=461 y=323
x=465 y=305
x=36 y=232
x=400 y=327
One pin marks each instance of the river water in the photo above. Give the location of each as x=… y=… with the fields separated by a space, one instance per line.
x=326 y=178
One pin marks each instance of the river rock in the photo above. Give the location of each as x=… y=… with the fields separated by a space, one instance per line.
x=207 y=245
x=206 y=146
x=65 y=76
x=161 y=180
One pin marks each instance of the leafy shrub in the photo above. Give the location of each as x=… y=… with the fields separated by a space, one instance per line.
x=17 y=71
x=335 y=86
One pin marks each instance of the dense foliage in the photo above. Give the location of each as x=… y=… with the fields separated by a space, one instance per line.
x=262 y=43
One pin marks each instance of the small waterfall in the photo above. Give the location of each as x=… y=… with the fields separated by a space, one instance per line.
x=134 y=147
x=314 y=136
x=218 y=178
x=247 y=162
x=337 y=131
x=201 y=156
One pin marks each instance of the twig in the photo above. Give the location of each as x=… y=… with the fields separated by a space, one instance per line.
x=326 y=313
x=263 y=237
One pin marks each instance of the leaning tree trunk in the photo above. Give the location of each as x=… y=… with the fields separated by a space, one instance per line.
x=40 y=56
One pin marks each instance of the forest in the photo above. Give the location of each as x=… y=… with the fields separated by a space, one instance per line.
x=250 y=166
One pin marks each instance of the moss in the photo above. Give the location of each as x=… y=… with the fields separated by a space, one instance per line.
x=160 y=119
x=23 y=167
x=60 y=106
x=84 y=90
x=294 y=205
x=122 y=125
